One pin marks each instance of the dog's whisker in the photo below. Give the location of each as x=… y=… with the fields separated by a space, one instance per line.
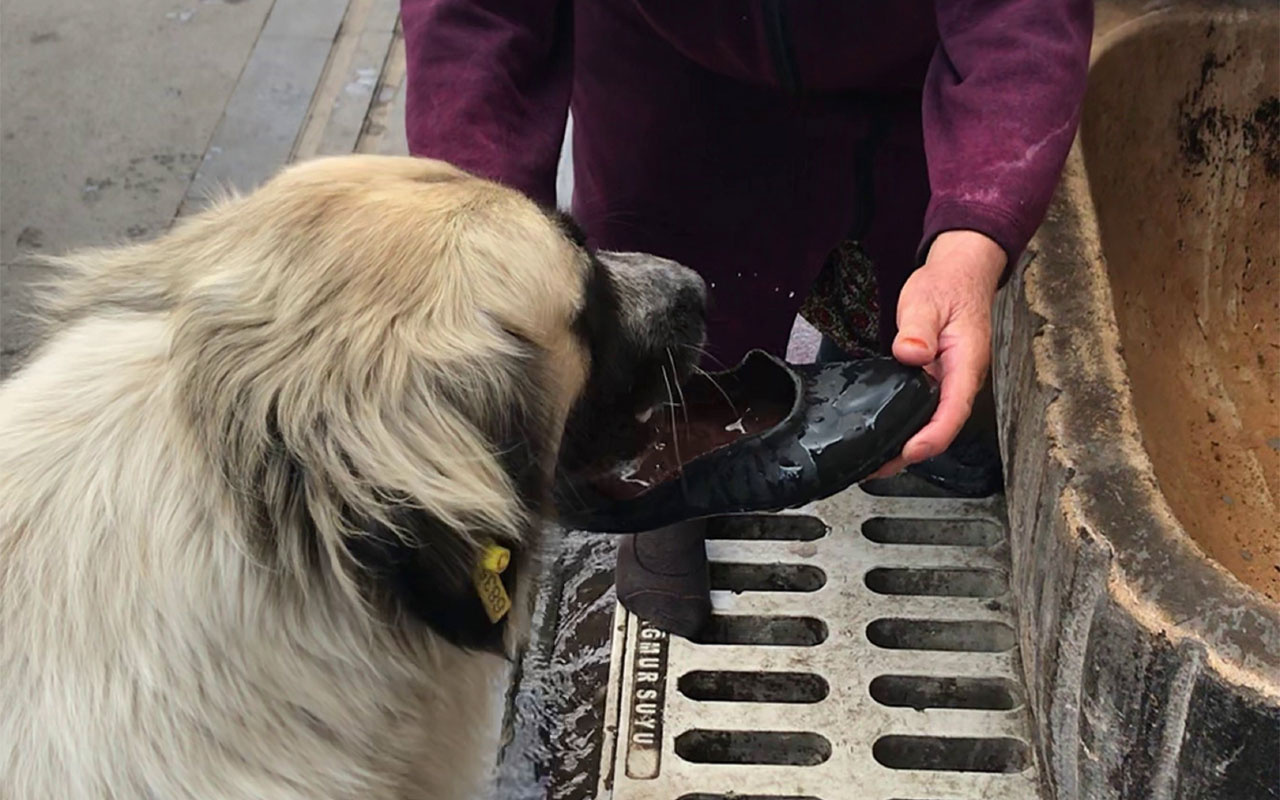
x=684 y=407
x=710 y=379
x=675 y=431
x=705 y=353
x=572 y=487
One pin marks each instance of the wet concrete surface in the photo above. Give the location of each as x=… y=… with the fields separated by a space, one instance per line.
x=556 y=712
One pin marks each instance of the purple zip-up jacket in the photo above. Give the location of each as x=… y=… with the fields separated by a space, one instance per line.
x=1001 y=83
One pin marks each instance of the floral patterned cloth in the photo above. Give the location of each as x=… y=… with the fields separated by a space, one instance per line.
x=842 y=304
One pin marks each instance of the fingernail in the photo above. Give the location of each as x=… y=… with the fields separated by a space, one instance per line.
x=914 y=342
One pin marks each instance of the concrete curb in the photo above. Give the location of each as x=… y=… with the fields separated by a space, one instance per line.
x=1151 y=672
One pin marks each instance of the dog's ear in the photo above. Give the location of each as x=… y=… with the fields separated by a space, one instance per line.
x=414 y=563
x=425 y=426
x=421 y=569
x=390 y=495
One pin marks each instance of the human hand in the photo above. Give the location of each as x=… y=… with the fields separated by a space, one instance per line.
x=944 y=325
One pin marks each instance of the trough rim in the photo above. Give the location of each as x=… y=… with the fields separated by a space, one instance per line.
x=1093 y=433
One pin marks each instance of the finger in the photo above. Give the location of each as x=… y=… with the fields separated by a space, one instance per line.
x=941 y=431
x=920 y=319
x=959 y=388
x=889 y=469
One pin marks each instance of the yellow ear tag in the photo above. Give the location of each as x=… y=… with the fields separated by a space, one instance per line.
x=494 y=558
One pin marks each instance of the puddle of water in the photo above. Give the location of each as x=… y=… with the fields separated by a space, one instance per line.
x=556 y=710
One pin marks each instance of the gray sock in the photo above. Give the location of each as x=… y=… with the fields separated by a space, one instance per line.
x=662 y=577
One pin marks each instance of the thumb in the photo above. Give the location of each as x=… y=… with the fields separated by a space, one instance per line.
x=920 y=318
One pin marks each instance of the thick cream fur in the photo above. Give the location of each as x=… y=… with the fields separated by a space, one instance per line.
x=150 y=647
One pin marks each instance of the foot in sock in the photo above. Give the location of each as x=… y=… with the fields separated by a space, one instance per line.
x=662 y=577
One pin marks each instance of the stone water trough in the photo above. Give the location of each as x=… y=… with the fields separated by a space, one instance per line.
x=1136 y=381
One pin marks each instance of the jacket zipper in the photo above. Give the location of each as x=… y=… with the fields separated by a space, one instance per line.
x=775 y=32
x=864 y=156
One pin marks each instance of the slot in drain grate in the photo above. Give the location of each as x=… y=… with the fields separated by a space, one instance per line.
x=862 y=647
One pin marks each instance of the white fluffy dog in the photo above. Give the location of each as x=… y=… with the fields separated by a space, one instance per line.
x=257 y=486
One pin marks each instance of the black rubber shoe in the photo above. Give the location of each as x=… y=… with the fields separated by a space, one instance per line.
x=805 y=433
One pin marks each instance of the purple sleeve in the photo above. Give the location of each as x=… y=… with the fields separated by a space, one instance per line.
x=488 y=87
x=1001 y=107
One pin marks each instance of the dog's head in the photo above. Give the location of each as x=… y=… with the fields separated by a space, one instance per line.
x=382 y=356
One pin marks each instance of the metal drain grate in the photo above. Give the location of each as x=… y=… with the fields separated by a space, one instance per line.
x=861 y=648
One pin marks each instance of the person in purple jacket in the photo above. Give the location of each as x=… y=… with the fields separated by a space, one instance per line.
x=749 y=139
